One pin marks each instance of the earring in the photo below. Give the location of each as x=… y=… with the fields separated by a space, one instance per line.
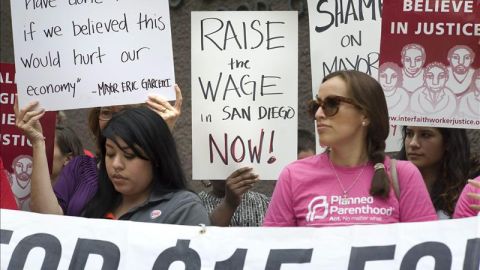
x=364 y=123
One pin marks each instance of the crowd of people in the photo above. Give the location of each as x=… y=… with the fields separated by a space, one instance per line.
x=136 y=172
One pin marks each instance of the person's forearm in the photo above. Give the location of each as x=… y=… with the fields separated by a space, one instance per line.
x=43 y=199
x=222 y=214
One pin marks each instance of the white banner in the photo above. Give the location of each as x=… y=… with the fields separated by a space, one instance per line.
x=36 y=241
x=244 y=92
x=92 y=53
x=345 y=35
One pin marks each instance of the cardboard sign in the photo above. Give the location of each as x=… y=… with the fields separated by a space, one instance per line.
x=16 y=151
x=92 y=53
x=430 y=62
x=29 y=241
x=345 y=35
x=244 y=92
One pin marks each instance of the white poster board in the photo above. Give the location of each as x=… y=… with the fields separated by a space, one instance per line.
x=29 y=241
x=77 y=54
x=244 y=92
x=345 y=35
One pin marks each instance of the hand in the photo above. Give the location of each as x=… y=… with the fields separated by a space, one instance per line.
x=239 y=182
x=163 y=108
x=475 y=196
x=28 y=121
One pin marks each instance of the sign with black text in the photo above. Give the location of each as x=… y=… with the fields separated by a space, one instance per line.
x=244 y=92
x=92 y=53
x=345 y=35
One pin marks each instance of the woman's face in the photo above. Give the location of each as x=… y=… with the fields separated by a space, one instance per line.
x=346 y=125
x=424 y=146
x=130 y=175
x=106 y=113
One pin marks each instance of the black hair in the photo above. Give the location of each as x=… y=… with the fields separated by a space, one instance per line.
x=149 y=137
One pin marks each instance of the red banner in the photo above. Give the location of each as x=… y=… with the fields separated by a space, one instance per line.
x=429 y=62
x=15 y=148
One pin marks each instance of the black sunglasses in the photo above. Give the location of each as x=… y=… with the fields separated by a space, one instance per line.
x=330 y=105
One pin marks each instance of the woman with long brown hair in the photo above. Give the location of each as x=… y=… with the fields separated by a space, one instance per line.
x=349 y=183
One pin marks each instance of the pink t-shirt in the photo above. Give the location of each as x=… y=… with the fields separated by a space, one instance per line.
x=463 y=204
x=308 y=194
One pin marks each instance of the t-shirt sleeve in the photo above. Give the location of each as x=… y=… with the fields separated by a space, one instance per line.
x=280 y=212
x=462 y=209
x=76 y=185
x=415 y=202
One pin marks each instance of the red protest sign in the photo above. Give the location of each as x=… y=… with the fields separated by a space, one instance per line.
x=16 y=151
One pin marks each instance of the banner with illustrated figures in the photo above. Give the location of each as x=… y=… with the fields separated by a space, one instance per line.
x=29 y=241
x=92 y=53
x=244 y=92
x=345 y=35
x=16 y=149
x=430 y=62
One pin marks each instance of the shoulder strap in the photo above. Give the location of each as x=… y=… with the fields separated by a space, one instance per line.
x=393 y=173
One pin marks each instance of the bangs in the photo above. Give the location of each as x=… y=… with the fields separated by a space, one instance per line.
x=116 y=132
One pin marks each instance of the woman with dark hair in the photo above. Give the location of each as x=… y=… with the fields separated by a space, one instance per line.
x=67 y=146
x=140 y=176
x=349 y=183
x=443 y=157
x=78 y=180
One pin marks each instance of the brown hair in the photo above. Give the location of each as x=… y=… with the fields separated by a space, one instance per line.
x=94 y=126
x=368 y=95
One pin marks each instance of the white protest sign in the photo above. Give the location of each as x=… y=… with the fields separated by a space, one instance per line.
x=345 y=35
x=29 y=241
x=77 y=54
x=244 y=92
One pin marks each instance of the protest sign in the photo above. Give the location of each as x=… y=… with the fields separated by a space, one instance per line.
x=429 y=70
x=244 y=92
x=16 y=151
x=345 y=35
x=92 y=53
x=29 y=241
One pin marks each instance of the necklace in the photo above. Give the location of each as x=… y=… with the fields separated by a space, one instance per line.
x=345 y=191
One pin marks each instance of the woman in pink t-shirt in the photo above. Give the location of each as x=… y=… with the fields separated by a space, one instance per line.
x=349 y=183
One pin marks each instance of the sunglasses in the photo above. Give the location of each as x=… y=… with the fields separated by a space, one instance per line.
x=330 y=105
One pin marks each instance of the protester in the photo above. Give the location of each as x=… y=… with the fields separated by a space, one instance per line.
x=7 y=199
x=443 y=157
x=349 y=183
x=67 y=146
x=231 y=203
x=77 y=183
x=468 y=204
x=140 y=176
